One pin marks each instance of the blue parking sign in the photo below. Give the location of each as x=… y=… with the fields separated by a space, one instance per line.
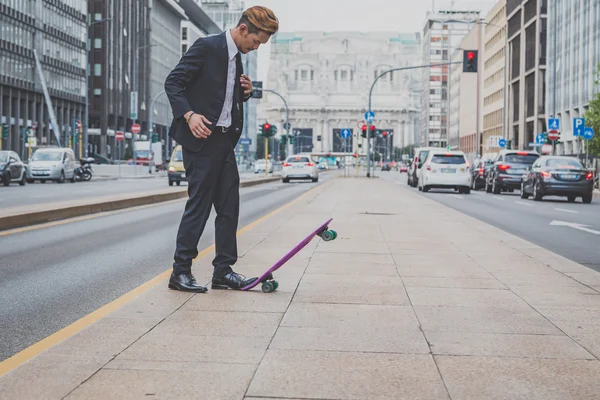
x=502 y=142
x=578 y=126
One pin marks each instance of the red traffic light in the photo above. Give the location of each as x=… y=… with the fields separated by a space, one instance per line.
x=384 y=133
x=372 y=127
x=266 y=126
x=470 y=55
x=364 y=128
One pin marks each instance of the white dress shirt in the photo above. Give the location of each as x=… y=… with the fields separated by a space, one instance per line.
x=225 y=118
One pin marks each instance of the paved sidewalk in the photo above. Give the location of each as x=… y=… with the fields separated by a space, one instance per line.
x=412 y=301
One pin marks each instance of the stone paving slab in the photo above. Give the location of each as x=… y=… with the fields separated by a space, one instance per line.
x=376 y=314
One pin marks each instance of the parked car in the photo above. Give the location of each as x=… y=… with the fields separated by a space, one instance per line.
x=12 y=169
x=558 y=176
x=261 y=165
x=52 y=163
x=447 y=170
x=176 y=170
x=509 y=166
x=386 y=167
x=403 y=168
x=299 y=167
x=417 y=162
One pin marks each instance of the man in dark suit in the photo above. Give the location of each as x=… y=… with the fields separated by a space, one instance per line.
x=207 y=91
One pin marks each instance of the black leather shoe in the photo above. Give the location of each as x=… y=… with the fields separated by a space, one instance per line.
x=232 y=280
x=185 y=283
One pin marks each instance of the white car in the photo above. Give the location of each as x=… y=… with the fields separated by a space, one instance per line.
x=299 y=167
x=261 y=165
x=446 y=170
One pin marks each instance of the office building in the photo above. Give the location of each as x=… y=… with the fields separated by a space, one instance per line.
x=55 y=30
x=325 y=78
x=442 y=35
x=494 y=72
x=526 y=112
x=574 y=53
x=134 y=52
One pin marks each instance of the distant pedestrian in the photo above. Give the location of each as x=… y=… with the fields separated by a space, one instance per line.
x=207 y=91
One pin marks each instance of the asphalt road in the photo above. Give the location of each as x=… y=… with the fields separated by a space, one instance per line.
x=38 y=193
x=52 y=276
x=569 y=229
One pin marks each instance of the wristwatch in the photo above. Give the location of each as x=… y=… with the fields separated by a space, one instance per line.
x=187 y=120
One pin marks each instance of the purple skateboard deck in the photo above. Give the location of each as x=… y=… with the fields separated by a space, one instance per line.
x=266 y=276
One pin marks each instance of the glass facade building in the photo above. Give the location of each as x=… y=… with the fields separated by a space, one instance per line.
x=54 y=30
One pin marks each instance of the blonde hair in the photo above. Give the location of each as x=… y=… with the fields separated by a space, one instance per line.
x=260 y=18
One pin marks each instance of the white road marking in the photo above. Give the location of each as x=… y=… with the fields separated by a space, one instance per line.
x=479 y=193
x=567 y=211
x=574 y=225
x=498 y=198
x=523 y=203
x=37 y=196
x=457 y=196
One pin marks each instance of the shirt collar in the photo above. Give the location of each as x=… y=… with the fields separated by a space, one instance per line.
x=231 y=47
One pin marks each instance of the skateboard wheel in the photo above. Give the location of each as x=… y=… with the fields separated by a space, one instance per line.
x=267 y=287
x=334 y=234
x=327 y=236
x=275 y=285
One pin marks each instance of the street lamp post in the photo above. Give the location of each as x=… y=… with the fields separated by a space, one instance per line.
x=287 y=113
x=150 y=127
x=87 y=84
x=371 y=94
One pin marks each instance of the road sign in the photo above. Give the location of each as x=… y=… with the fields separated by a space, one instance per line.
x=554 y=123
x=546 y=149
x=287 y=126
x=578 y=126
x=502 y=142
x=119 y=136
x=588 y=133
x=553 y=135
x=245 y=141
x=369 y=116
x=539 y=138
x=135 y=128
x=257 y=92
x=133 y=106
x=345 y=133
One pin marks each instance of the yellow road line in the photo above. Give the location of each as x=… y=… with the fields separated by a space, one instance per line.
x=68 y=331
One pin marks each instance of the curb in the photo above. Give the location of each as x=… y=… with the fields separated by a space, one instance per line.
x=61 y=213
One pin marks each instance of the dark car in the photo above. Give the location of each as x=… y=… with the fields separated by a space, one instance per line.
x=386 y=167
x=479 y=171
x=558 y=176
x=12 y=168
x=509 y=166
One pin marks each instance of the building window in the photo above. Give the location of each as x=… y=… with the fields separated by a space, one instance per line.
x=97 y=69
x=97 y=92
x=184 y=33
x=183 y=49
x=97 y=17
x=97 y=43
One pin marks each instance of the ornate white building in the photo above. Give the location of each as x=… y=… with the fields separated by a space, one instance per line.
x=325 y=78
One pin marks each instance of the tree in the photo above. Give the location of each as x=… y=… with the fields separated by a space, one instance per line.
x=592 y=118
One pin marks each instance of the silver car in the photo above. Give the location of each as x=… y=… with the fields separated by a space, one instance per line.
x=55 y=164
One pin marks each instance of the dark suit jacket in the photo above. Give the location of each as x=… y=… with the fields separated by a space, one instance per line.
x=198 y=83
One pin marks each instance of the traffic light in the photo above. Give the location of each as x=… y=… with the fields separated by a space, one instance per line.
x=5 y=132
x=509 y=144
x=384 y=134
x=372 y=135
x=364 y=131
x=470 y=60
x=155 y=137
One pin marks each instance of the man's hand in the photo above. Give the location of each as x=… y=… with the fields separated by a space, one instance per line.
x=246 y=84
x=197 y=124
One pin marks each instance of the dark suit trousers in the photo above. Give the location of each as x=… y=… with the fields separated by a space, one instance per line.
x=213 y=179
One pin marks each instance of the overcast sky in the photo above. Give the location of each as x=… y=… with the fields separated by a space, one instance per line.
x=353 y=15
